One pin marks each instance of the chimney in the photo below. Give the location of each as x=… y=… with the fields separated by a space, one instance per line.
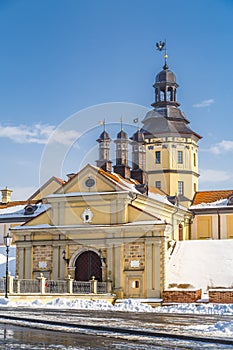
x=6 y=195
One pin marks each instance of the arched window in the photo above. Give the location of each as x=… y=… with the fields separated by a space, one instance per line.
x=170 y=94
x=162 y=95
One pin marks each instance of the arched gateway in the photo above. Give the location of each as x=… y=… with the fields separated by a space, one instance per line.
x=88 y=264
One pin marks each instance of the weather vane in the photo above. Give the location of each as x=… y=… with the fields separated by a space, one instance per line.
x=102 y=122
x=161 y=46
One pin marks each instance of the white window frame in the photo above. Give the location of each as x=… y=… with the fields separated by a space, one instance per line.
x=180 y=188
x=158 y=160
x=180 y=157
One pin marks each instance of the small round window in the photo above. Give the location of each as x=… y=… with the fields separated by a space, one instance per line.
x=90 y=182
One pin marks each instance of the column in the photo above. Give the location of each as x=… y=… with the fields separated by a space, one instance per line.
x=148 y=265
x=153 y=269
x=28 y=263
x=21 y=265
x=56 y=263
x=117 y=266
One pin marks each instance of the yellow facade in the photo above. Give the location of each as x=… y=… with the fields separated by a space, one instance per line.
x=94 y=216
x=217 y=225
x=170 y=160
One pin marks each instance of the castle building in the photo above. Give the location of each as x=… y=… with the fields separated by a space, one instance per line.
x=119 y=222
x=171 y=145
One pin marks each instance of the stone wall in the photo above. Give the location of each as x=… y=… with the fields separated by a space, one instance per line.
x=181 y=296
x=134 y=256
x=42 y=257
x=224 y=296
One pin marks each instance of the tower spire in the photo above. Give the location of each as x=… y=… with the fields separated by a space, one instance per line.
x=121 y=121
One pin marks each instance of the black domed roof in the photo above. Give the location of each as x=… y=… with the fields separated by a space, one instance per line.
x=103 y=136
x=122 y=135
x=138 y=136
x=165 y=75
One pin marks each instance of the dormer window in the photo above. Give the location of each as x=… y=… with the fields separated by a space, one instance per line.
x=30 y=209
x=230 y=199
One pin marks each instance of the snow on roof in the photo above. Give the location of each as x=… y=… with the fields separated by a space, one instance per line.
x=218 y=203
x=210 y=196
x=158 y=197
x=19 y=211
x=87 y=226
x=155 y=196
x=202 y=264
x=148 y=222
x=81 y=194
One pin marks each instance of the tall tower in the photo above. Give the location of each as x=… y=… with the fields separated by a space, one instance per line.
x=172 y=146
x=122 y=144
x=104 y=151
x=138 y=157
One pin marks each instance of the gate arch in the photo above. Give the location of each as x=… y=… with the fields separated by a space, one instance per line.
x=88 y=264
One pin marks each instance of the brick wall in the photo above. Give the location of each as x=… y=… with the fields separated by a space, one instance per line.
x=43 y=253
x=134 y=251
x=181 y=296
x=224 y=296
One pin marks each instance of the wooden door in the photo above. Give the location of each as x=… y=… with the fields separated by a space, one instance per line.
x=88 y=264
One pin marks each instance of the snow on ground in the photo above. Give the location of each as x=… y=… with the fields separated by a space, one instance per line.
x=202 y=264
x=127 y=305
x=131 y=305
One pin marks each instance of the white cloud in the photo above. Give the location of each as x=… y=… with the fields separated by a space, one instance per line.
x=212 y=175
x=64 y=137
x=23 y=193
x=223 y=146
x=205 y=103
x=38 y=133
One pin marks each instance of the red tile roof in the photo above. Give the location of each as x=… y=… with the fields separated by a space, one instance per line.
x=15 y=203
x=210 y=196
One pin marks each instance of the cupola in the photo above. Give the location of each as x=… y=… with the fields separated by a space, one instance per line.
x=122 y=144
x=104 y=151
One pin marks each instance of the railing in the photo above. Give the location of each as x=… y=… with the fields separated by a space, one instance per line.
x=102 y=288
x=82 y=287
x=59 y=287
x=26 y=286
x=2 y=285
x=44 y=286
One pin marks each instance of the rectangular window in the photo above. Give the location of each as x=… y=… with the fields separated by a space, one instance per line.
x=194 y=159
x=158 y=184
x=180 y=188
x=157 y=157
x=180 y=157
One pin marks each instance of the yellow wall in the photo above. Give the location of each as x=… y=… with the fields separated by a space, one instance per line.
x=77 y=183
x=48 y=189
x=165 y=171
x=204 y=227
x=229 y=220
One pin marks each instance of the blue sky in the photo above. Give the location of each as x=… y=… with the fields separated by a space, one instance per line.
x=59 y=57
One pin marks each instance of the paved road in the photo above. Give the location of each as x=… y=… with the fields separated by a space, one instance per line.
x=128 y=330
